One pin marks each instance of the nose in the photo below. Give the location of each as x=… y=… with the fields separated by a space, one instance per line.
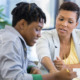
x=65 y=23
x=39 y=34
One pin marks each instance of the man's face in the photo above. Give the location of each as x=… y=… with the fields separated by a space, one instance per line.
x=32 y=32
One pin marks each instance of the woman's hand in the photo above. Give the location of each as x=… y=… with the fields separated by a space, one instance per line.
x=59 y=64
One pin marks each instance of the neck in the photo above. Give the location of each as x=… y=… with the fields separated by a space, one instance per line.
x=65 y=40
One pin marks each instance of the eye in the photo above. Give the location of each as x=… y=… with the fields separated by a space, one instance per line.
x=37 y=29
x=61 y=19
x=70 y=22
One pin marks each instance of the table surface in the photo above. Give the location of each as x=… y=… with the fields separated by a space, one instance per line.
x=77 y=70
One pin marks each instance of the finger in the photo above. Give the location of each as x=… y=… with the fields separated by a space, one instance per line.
x=34 y=72
x=58 y=62
x=58 y=67
x=58 y=58
x=70 y=69
x=31 y=72
x=73 y=74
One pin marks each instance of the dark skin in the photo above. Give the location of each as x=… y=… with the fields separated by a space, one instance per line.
x=26 y=30
x=31 y=33
x=35 y=71
x=65 y=25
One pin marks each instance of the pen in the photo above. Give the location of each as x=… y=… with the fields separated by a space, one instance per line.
x=67 y=70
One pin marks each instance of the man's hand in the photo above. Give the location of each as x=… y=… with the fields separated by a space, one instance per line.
x=35 y=70
x=64 y=75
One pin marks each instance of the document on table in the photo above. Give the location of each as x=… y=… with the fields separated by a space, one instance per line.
x=77 y=70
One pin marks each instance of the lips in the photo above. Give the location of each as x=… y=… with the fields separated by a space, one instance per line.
x=35 y=40
x=62 y=30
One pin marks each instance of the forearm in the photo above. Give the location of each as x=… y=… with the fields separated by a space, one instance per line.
x=48 y=77
x=62 y=75
x=74 y=65
x=48 y=64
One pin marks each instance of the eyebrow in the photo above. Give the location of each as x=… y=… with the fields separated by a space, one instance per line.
x=69 y=18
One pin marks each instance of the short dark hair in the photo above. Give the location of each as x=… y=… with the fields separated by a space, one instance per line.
x=70 y=6
x=28 y=11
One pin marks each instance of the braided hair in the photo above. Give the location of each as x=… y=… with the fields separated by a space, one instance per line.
x=27 y=11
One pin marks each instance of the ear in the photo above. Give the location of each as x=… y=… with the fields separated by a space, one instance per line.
x=76 y=24
x=22 y=23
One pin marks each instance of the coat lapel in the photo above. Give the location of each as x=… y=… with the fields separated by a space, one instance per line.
x=76 y=39
x=56 y=43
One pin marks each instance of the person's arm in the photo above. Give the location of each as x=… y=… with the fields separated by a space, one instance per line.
x=59 y=64
x=11 y=67
x=44 y=53
x=11 y=62
x=48 y=64
x=62 y=75
x=74 y=65
x=32 y=68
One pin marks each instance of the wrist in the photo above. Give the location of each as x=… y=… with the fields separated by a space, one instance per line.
x=53 y=76
x=30 y=68
x=53 y=70
x=56 y=76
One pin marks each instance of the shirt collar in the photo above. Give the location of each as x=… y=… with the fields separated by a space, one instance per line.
x=12 y=29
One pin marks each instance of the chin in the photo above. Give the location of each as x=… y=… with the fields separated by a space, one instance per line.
x=62 y=35
x=32 y=44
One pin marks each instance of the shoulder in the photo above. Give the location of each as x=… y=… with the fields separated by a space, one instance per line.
x=49 y=33
x=48 y=36
x=6 y=35
x=76 y=32
x=10 y=40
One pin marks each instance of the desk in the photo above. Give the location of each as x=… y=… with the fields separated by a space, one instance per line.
x=77 y=70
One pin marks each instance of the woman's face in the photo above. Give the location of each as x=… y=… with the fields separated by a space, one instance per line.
x=66 y=22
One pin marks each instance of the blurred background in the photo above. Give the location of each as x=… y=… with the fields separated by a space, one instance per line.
x=50 y=7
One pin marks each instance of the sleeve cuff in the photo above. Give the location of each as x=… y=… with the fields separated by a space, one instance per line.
x=37 y=77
